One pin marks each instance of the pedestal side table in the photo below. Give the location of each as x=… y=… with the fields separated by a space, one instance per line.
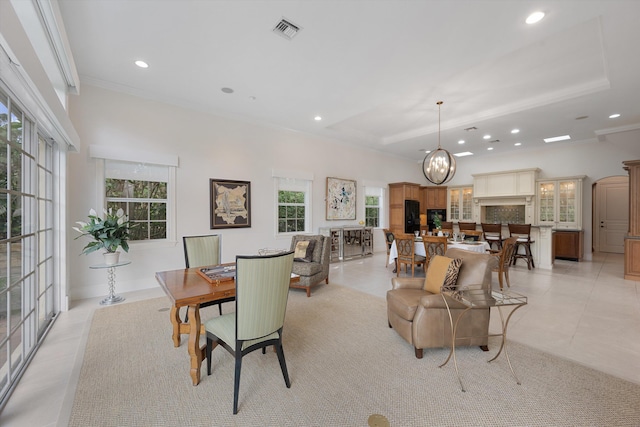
x=477 y=298
x=112 y=298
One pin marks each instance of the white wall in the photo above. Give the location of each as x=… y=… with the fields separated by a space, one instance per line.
x=208 y=147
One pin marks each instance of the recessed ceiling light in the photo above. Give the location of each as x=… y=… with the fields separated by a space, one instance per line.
x=614 y=116
x=517 y=144
x=461 y=141
x=486 y=137
x=515 y=130
x=141 y=64
x=317 y=118
x=534 y=17
x=227 y=90
x=490 y=148
x=557 y=138
x=463 y=154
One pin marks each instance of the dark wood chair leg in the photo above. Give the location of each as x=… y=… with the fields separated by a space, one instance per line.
x=236 y=383
x=484 y=347
x=418 y=353
x=283 y=364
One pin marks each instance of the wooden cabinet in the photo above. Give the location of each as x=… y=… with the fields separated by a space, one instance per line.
x=433 y=197
x=568 y=244
x=559 y=202
x=398 y=193
x=632 y=239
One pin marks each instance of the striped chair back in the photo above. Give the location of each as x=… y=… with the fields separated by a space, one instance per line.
x=262 y=288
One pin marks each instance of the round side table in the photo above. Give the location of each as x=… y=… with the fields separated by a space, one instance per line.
x=112 y=298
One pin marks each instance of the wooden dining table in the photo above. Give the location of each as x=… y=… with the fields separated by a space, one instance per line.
x=187 y=288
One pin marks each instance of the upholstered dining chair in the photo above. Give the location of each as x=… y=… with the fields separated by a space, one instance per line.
x=466 y=226
x=505 y=257
x=388 y=237
x=406 y=254
x=492 y=234
x=202 y=251
x=434 y=245
x=523 y=233
x=262 y=289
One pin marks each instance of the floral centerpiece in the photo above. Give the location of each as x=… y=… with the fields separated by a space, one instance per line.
x=109 y=233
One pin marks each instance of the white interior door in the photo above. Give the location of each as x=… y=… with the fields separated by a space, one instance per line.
x=613 y=213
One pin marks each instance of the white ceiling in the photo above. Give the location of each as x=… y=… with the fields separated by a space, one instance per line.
x=374 y=70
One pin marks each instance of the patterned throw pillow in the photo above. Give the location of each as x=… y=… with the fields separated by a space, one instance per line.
x=304 y=250
x=442 y=271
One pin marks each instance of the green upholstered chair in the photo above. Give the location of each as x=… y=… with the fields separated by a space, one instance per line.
x=262 y=288
x=202 y=251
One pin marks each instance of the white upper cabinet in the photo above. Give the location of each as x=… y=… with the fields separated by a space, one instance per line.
x=559 y=202
x=505 y=184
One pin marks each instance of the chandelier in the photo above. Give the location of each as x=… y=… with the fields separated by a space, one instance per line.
x=439 y=165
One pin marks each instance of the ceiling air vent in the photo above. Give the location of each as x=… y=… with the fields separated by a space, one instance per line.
x=286 y=29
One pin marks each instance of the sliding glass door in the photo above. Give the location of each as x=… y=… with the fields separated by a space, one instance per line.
x=26 y=240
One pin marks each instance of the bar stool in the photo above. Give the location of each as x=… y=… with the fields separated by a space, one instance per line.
x=492 y=234
x=523 y=233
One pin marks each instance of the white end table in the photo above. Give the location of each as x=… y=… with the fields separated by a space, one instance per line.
x=112 y=298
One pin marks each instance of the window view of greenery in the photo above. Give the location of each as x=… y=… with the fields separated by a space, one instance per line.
x=372 y=211
x=145 y=202
x=291 y=211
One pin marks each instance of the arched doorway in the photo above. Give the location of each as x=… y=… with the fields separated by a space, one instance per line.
x=610 y=213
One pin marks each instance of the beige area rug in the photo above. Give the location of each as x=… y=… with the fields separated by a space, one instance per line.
x=345 y=364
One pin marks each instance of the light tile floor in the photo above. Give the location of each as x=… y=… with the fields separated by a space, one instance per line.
x=581 y=311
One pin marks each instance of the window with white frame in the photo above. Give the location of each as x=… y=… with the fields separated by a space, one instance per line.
x=143 y=186
x=140 y=190
x=293 y=196
x=373 y=202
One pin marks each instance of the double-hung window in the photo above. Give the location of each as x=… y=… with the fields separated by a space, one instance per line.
x=143 y=186
x=141 y=191
x=373 y=200
x=293 y=201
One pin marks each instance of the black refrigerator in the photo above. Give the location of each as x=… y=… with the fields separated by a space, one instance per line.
x=411 y=216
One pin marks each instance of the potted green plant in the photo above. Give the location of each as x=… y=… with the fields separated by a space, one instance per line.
x=437 y=222
x=109 y=234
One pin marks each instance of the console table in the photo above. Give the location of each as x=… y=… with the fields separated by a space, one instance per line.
x=349 y=242
x=480 y=298
x=112 y=298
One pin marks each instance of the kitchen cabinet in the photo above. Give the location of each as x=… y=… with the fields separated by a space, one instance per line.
x=460 y=206
x=433 y=197
x=632 y=239
x=520 y=182
x=568 y=244
x=559 y=202
x=398 y=193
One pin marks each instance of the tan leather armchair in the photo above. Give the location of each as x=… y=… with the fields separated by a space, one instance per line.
x=421 y=318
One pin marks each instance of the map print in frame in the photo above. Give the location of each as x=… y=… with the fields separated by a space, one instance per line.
x=230 y=203
x=341 y=199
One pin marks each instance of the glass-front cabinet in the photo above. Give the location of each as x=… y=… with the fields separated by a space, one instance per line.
x=460 y=204
x=560 y=202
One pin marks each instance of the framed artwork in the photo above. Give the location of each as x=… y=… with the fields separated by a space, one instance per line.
x=341 y=199
x=230 y=203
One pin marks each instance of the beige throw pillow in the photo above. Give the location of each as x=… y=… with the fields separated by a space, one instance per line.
x=442 y=271
x=304 y=250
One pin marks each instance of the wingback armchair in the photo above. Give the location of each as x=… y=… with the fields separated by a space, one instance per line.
x=314 y=267
x=421 y=317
